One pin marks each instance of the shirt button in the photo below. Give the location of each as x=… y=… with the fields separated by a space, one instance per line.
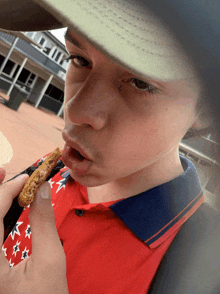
x=79 y=212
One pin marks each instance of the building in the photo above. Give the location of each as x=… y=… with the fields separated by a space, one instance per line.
x=204 y=152
x=37 y=65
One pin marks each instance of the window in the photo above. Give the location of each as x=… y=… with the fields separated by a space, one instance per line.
x=55 y=93
x=58 y=56
x=37 y=37
x=9 y=67
x=23 y=75
x=42 y=40
x=64 y=62
x=2 y=58
x=62 y=97
x=47 y=47
x=31 y=79
x=63 y=59
x=55 y=51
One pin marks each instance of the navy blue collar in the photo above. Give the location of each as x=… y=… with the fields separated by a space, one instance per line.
x=155 y=214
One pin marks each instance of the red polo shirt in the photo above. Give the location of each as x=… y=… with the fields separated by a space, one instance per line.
x=112 y=247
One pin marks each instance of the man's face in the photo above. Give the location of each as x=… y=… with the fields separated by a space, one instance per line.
x=123 y=123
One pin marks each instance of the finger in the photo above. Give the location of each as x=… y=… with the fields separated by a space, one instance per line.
x=46 y=245
x=9 y=191
x=2 y=174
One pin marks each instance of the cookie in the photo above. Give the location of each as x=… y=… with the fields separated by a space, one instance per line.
x=37 y=178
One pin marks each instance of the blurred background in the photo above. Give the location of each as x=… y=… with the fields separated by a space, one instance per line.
x=32 y=74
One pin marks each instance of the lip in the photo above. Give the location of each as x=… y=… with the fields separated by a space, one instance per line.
x=74 y=145
x=72 y=159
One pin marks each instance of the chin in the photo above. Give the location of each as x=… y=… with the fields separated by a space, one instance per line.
x=88 y=180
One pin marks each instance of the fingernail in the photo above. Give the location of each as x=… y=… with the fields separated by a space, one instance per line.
x=44 y=193
x=21 y=177
x=2 y=173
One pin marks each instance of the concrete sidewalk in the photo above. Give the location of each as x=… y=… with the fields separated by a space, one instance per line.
x=32 y=133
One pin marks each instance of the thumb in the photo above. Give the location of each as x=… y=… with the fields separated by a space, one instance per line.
x=2 y=174
x=46 y=245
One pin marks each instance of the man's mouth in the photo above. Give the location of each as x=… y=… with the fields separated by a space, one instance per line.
x=76 y=154
x=74 y=159
x=77 y=150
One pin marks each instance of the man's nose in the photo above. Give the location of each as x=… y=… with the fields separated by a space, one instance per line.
x=91 y=104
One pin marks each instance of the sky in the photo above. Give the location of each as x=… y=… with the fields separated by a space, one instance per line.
x=59 y=34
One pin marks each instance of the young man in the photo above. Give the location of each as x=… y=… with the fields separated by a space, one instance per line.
x=124 y=192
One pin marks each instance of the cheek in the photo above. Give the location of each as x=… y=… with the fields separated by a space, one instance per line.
x=156 y=129
x=76 y=75
x=182 y=115
x=135 y=136
x=173 y=123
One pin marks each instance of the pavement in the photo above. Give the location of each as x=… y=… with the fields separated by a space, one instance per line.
x=32 y=133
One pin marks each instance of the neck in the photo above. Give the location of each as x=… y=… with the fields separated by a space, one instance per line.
x=157 y=173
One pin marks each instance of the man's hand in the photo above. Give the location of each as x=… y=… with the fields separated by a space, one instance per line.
x=45 y=270
x=2 y=174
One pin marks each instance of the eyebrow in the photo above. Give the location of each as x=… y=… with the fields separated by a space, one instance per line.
x=72 y=40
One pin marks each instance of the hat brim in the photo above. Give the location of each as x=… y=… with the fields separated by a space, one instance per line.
x=26 y=16
x=116 y=28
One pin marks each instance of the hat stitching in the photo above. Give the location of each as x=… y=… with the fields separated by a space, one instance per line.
x=126 y=30
x=137 y=27
x=126 y=21
x=118 y=7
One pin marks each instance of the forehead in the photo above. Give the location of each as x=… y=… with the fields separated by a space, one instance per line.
x=69 y=37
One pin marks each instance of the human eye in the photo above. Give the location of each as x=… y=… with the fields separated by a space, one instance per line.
x=141 y=85
x=78 y=61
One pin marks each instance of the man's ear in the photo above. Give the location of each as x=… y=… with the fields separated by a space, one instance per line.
x=202 y=126
x=202 y=122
